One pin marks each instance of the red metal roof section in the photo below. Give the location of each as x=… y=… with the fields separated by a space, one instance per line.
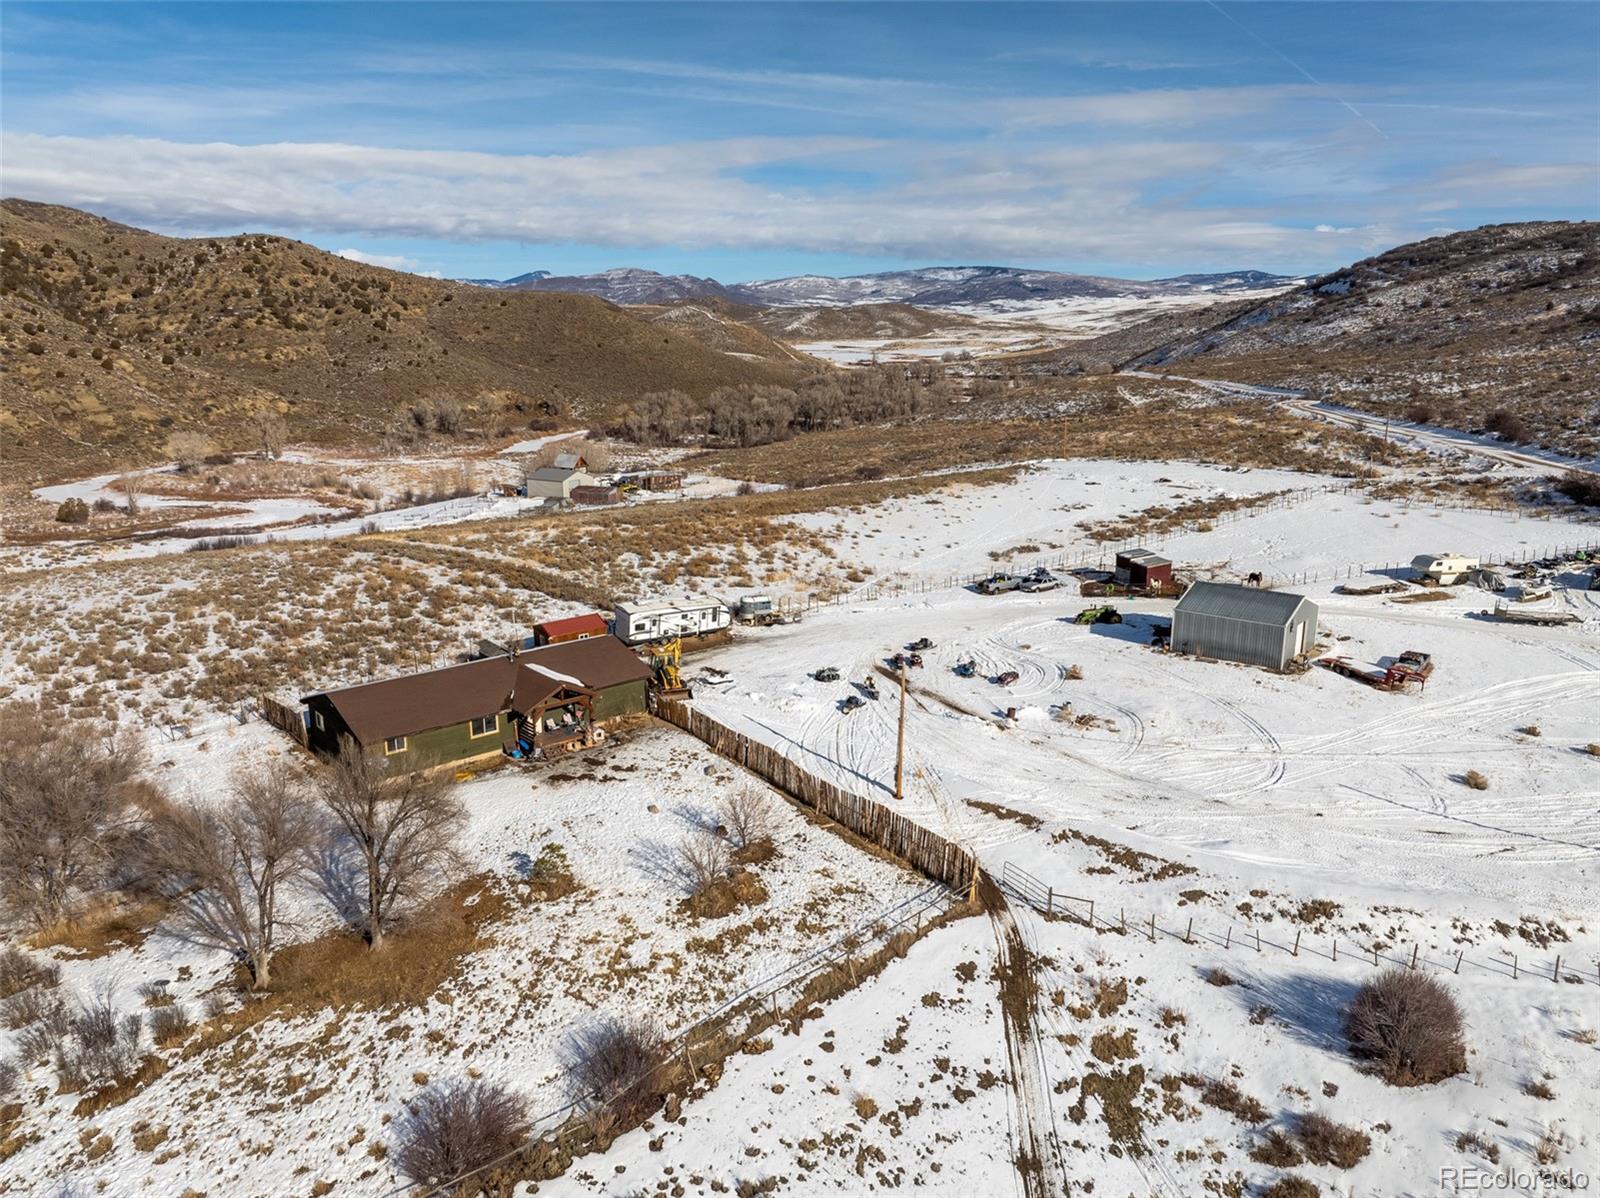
x=594 y=624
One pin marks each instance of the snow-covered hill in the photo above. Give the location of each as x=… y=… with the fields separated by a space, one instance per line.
x=929 y=287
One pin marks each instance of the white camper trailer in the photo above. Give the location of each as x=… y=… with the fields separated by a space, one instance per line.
x=663 y=619
x=1446 y=569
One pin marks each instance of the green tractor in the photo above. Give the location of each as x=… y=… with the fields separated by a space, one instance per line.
x=1104 y=614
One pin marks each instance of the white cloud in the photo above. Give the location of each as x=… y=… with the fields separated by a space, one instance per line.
x=389 y=261
x=1131 y=200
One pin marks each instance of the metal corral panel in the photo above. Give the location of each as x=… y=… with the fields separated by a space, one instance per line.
x=1244 y=624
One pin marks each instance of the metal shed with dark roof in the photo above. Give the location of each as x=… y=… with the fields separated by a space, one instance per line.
x=480 y=707
x=1244 y=624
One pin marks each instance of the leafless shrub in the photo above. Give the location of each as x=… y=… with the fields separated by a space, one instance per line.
x=1225 y=1096
x=1408 y=1025
x=1538 y=1089
x=404 y=826
x=1218 y=976
x=702 y=859
x=609 y=1065
x=1325 y=1142
x=65 y=798
x=1471 y=1141
x=10 y=1077
x=230 y=859
x=1593 y=749
x=1550 y=1146
x=101 y=1046
x=1260 y=1013
x=31 y=1006
x=1075 y=673
x=1475 y=780
x=40 y=1038
x=1581 y=487
x=169 y=1024
x=155 y=994
x=1530 y=730
x=1278 y=1149
x=747 y=814
x=458 y=1127
x=1292 y=1186
x=19 y=970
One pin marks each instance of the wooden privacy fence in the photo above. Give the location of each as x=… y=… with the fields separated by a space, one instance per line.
x=280 y=715
x=925 y=851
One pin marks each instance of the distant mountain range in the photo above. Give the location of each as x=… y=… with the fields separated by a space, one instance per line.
x=928 y=287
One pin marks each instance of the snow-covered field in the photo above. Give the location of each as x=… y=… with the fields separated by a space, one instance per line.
x=1012 y=326
x=1325 y=817
x=295 y=1088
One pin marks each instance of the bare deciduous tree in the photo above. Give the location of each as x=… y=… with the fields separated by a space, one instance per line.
x=270 y=430
x=132 y=487
x=701 y=860
x=235 y=856
x=65 y=795
x=403 y=825
x=189 y=449
x=747 y=814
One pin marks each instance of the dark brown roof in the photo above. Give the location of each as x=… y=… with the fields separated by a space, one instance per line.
x=440 y=698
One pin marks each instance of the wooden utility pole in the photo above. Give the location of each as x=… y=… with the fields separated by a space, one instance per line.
x=900 y=751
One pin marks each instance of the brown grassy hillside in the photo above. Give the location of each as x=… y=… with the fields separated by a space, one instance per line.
x=1498 y=327
x=112 y=338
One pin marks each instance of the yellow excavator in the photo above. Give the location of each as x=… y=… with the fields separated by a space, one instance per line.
x=666 y=659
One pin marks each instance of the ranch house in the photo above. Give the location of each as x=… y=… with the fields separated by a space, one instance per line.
x=546 y=698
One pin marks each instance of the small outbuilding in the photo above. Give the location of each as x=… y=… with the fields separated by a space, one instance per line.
x=598 y=495
x=1141 y=568
x=1244 y=624
x=558 y=482
x=573 y=628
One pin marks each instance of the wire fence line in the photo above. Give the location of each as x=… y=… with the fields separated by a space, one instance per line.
x=1579 y=967
x=714 y=1036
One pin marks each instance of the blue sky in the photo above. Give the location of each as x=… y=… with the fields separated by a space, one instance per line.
x=756 y=140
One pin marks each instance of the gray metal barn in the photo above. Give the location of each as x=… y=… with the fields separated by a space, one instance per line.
x=1246 y=624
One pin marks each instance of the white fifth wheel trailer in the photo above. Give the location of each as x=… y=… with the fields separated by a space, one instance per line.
x=663 y=619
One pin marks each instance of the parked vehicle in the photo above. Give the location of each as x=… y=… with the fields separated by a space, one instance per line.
x=966 y=669
x=849 y=704
x=1007 y=678
x=826 y=674
x=998 y=584
x=914 y=659
x=869 y=688
x=664 y=620
x=1445 y=569
x=1040 y=580
x=1103 y=614
x=921 y=642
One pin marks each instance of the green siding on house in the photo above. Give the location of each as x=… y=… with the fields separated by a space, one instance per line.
x=455 y=742
x=438 y=745
x=627 y=698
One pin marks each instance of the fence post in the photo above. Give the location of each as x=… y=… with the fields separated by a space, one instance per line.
x=1258 y=940
x=1229 y=942
x=1336 y=949
x=1188 y=935
x=1459 y=953
x=1296 y=943
x=1091 y=920
x=1050 y=900
x=1513 y=967
x=1152 y=928
x=1555 y=974
x=1415 y=948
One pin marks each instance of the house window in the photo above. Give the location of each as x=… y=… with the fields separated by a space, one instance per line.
x=395 y=744
x=484 y=725
x=322 y=724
